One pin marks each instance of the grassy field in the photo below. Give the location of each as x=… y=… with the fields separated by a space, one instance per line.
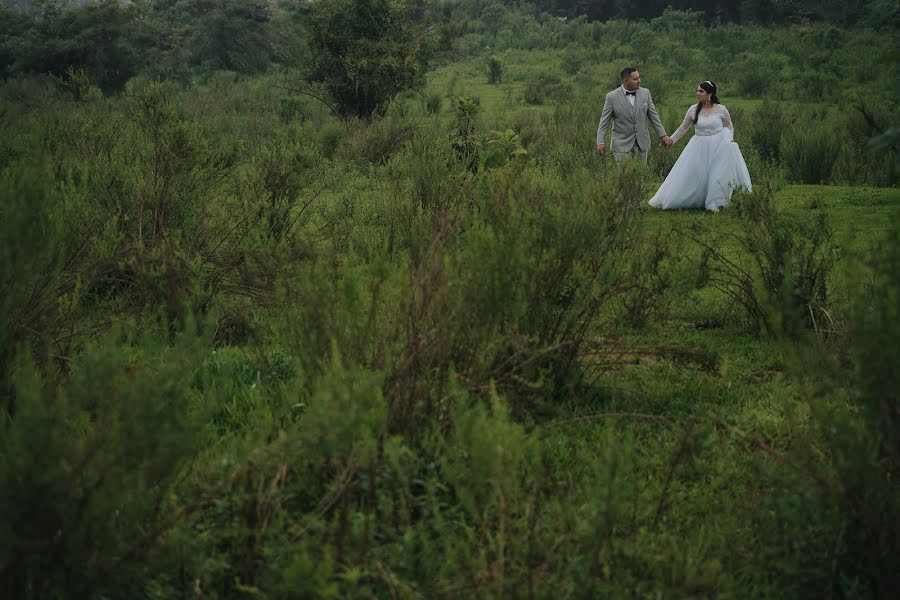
x=254 y=350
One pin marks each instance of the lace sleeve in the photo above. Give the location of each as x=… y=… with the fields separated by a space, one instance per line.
x=685 y=125
x=726 y=118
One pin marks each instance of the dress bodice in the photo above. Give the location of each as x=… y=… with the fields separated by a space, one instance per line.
x=708 y=123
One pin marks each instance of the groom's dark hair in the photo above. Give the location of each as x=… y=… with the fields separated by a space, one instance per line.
x=626 y=72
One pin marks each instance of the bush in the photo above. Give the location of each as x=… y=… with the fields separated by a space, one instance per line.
x=780 y=277
x=235 y=35
x=854 y=497
x=810 y=150
x=755 y=79
x=89 y=470
x=330 y=137
x=865 y=439
x=545 y=87
x=436 y=179
x=433 y=103
x=377 y=140
x=495 y=70
x=766 y=126
x=99 y=39
x=364 y=52
x=39 y=261
x=526 y=282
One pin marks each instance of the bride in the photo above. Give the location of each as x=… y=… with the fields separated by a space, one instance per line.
x=711 y=166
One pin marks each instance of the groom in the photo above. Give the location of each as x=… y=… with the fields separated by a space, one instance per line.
x=629 y=107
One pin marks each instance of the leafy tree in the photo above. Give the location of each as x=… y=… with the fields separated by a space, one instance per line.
x=231 y=34
x=96 y=38
x=768 y=12
x=11 y=26
x=364 y=53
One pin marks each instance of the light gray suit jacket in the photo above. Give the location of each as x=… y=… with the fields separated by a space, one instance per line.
x=629 y=124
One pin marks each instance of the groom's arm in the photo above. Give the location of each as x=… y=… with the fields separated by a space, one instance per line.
x=604 y=125
x=654 y=117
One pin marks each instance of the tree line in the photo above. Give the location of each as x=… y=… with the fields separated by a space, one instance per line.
x=760 y=12
x=355 y=55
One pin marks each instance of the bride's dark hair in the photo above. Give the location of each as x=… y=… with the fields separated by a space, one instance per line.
x=710 y=88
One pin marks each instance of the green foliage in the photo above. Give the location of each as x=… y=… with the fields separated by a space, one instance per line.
x=498 y=148
x=858 y=430
x=430 y=364
x=780 y=277
x=89 y=470
x=463 y=139
x=810 y=150
x=231 y=34
x=98 y=39
x=528 y=240
x=433 y=103
x=867 y=444
x=495 y=70
x=77 y=84
x=546 y=87
x=330 y=137
x=38 y=261
x=282 y=172
x=480 y=152
x=437 y=184
x=364 y=53
x=377 y=140
x=767 y=124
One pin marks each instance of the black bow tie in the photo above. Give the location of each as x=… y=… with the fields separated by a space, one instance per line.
x=630 y=93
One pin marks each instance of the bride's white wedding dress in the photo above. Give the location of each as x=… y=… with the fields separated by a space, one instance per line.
x=710 y=167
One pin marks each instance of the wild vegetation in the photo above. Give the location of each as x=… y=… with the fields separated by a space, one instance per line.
x=264 y=334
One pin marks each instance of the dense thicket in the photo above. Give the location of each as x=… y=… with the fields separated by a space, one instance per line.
x=249 y=347
x=881 y=13
x=113 y=41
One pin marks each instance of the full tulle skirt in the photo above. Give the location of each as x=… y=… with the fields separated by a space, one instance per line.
x=706 y=174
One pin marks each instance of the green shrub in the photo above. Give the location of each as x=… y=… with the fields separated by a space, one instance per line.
x=546 y=87
x=433 y=103
x=495 y=70
x=529 y=126
x=865 y=437
x=89 y=470
x=523 y=287
x=377 y=140
x=756 y=77
x=330 y=137
x=180 y=168
x=364 y=52
x=780 y=276
x=852 y=461
x=99 y=39
x=766 y=126
x=464 y=138
x=282 y=171
x=232 y=35
x=810 y=151
x=437 y=182
x=40 y=261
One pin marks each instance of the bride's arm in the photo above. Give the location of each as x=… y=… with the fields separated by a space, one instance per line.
x=685 y=125
x=726 y=119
